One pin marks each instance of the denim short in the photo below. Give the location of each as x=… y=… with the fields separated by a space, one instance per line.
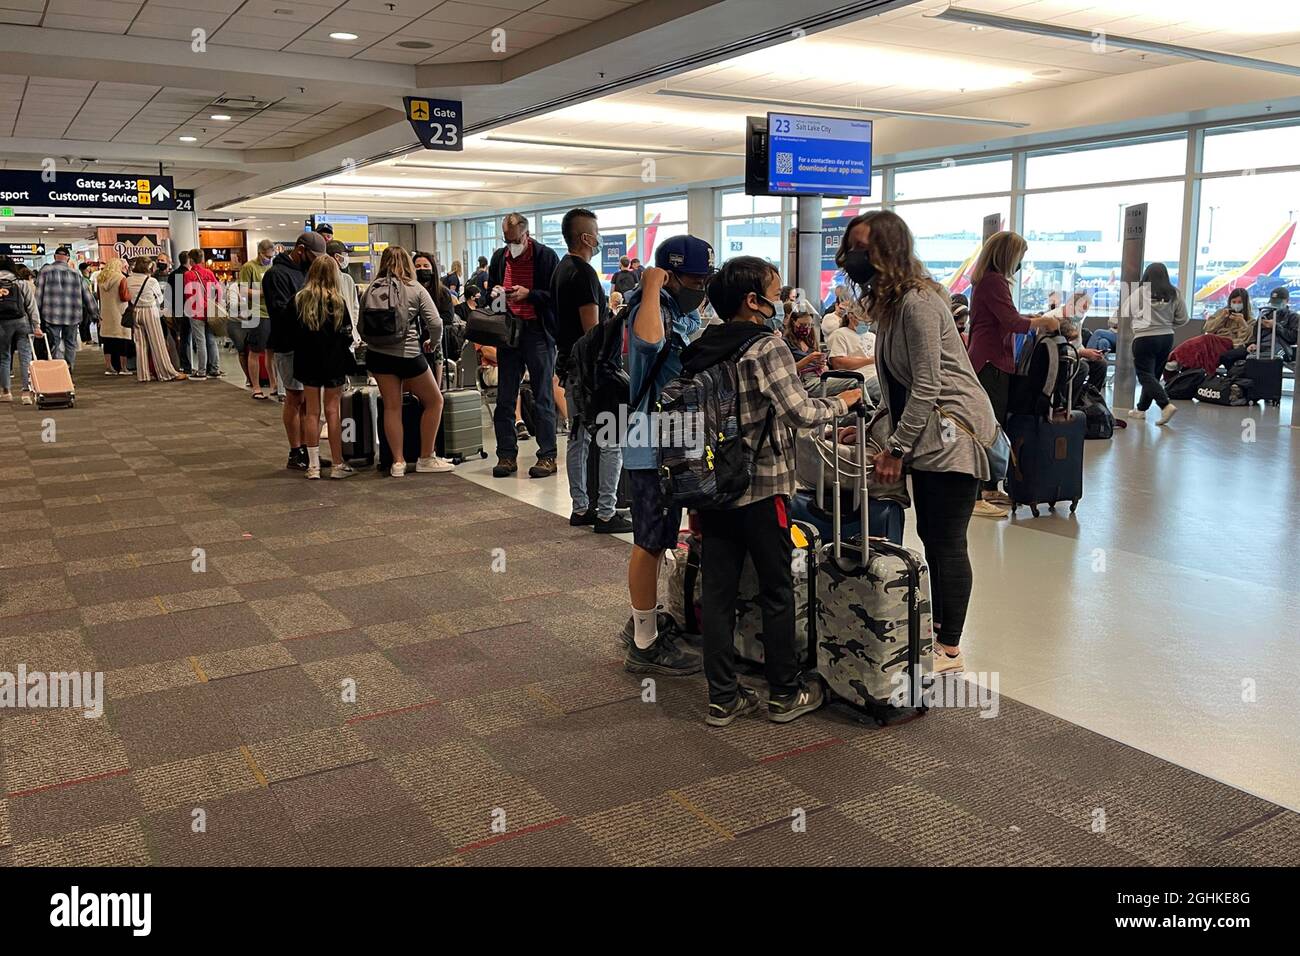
x=654 y=528
x=284 y=372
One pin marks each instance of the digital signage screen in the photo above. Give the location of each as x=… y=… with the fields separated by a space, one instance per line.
x=818 y=155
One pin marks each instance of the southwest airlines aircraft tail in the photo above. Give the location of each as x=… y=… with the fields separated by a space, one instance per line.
x=1267 y=261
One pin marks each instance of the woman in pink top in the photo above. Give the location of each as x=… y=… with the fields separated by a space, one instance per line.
x=994 y=323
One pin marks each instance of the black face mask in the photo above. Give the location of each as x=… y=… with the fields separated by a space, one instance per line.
x=858 y=267
x=424 y=276
x=688 y=300
x=1018 y=265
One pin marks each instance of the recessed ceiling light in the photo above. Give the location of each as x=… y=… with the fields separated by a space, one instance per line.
x=415 y=44
x=1046 y=72
x=343 y=36
x=219 y=116
x=283 y=11
x=189 y=139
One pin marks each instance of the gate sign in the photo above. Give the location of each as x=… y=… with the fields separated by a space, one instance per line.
x=96 y=190
x=23 y=250
x=436 y=122
x=184 y=200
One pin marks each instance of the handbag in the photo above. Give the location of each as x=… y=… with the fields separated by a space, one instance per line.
x=128 y=314
x=499 y=329
x=998 y=451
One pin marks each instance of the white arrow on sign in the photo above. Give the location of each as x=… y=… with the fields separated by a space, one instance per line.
x=160 y=192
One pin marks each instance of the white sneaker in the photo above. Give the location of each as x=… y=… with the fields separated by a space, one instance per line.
x=434 y=464
x=944 y=662
x=398 y=469
x=313 y=472
x=27 y=398
x=1166 y=413
x=343 y=470
x=1136 y=413
x=987 y=509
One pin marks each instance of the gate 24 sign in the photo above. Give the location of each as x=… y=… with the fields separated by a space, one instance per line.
x=436 y=122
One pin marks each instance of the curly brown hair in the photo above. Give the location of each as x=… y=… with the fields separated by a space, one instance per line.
x=898 y=270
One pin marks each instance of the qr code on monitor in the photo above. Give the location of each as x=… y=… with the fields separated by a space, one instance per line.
x=785 y=163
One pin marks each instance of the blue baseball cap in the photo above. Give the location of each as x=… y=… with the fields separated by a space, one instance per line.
x=685 y=254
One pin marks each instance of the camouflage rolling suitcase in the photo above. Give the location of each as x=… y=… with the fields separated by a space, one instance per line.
x=874 y=633
x=806 y=546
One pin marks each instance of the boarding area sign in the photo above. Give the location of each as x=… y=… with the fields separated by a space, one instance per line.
x=20 y=187
x=436 y=122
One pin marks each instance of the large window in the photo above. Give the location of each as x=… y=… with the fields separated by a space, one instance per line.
x=949 y=234
x=482 y=237
x=1247 y=238
x=660 y=220
x=1254 y=146
x=750 y=226
x=1075 y=237
x=1107 y=162
x=952 y=178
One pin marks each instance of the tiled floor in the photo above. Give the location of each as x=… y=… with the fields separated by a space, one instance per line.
x=347 y=679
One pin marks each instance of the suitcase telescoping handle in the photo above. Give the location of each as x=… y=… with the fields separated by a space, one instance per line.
x=860 y=413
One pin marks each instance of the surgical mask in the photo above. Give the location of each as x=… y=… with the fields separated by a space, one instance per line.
x=1237 y=307
x=342 y=261
x=595 y=243
x=772 y=321
x=862 y=327
x=516 y=248
x=424 y=276
x=687 y=325
x=264 y=261
x=858 y=267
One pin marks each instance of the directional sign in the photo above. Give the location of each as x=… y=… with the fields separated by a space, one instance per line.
x=24 y=250
x=24 y=188
x=185 y=200
x=436 y=122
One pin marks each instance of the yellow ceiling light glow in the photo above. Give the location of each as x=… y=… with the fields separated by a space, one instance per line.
x=396 y=180
x=876 y=66
x=620 y=112
x=1242 y=17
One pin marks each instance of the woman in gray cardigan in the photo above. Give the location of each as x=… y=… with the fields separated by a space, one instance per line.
x=938 y=417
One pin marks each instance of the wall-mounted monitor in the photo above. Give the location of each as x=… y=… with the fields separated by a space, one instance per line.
x=796 y=155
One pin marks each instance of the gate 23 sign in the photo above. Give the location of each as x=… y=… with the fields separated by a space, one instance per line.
x=436 y=122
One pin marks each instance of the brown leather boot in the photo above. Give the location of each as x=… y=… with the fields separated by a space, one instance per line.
x=545 y=468
x=505 y=467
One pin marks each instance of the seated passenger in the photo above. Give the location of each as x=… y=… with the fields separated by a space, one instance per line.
x=1279 y=313
x=1092 y=362
x=1236 y=322
x=851 y=345
x=960 y=306
x=744 y=292
x=809 y=361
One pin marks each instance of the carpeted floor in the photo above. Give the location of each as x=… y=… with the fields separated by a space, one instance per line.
x=491 y=721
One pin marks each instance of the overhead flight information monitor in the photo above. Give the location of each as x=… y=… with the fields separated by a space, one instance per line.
x=818 y=155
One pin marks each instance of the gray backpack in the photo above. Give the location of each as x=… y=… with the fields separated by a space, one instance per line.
x=383 y=315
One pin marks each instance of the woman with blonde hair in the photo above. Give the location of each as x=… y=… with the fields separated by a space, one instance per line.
x=994 y=323
x=935 y=412
x=401 y=365
x=452 y=280
x=110 y=284
x=151 y=357
x=322 y=356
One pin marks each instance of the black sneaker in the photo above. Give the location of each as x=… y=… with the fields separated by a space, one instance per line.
x=619 y=524
x=720 y=715
x=580 y=518
x=782 y=710
x=664 y=657
x=297 y=460
x=521 y=432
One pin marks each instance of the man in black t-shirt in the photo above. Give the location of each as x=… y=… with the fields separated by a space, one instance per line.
x=580 y=303
x=624 y=280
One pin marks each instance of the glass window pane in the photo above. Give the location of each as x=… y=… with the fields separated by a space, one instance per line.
x=613 y=216
x=1075 y=237
x=949 y=234
x=672 y=209
x=841 y=202
x=1106 y=162
x=549 y=233
x=655 y=234
x=1246 y=238
x=950 y=178
x=736 y=203
x=1251 y=147
x=758 y=236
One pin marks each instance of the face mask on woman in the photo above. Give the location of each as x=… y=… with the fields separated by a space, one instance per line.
x=1237 y=307
x=424 y=276
x=858 y=267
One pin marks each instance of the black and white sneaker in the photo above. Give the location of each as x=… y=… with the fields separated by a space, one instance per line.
x=664 y=657
x=809 y=696
x=720 y=715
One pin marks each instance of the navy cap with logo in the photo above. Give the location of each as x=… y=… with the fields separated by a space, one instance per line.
x=685 y=254
x=324 y=229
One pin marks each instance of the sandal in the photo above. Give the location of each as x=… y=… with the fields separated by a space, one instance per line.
x=259 y=395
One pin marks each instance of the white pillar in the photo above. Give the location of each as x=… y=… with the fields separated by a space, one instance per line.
x=700 y=221
x=808 y=274
x=425 y=239
x=460 y=245
x=184 y=229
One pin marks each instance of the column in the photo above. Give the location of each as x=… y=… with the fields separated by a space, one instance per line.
x=700 y=221
x=184 y=229
x=808 y=270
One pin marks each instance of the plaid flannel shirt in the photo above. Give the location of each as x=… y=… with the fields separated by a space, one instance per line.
x=768 y=380
x=63 y=296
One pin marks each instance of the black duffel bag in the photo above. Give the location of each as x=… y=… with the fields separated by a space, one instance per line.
x=1183 y=385
x=1224 y=390
x=497 y=329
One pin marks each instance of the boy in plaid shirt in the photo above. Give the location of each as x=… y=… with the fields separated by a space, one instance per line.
x=744 y=293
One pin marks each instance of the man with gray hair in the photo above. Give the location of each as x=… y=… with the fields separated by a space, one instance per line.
x=287 y=275
x=520 y=279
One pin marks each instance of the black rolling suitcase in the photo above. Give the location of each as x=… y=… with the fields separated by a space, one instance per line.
x=1047 y=456
x=1265 y=374
x=360 y=425
x=411 y=412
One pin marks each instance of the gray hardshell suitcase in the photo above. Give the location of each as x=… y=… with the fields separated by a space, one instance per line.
x=461 y=434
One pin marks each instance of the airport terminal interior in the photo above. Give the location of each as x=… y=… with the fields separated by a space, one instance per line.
x=433 y=668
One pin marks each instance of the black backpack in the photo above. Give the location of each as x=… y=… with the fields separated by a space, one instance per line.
x=1044 y=376
x=704 y=461
x=12 y=304
x=597 y=375
x=1099 y=422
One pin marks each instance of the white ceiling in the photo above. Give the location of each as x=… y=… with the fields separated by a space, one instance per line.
x=901 y=60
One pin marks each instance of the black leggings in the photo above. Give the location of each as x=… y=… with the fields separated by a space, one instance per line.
x=1150 y=353
x=997 y=384
x=944 y=500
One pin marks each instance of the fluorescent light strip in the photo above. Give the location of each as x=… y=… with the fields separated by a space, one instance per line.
x=662 y=151
x=525 y=172
x=1037 y=28
x=828 y=108
x=426 y=190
